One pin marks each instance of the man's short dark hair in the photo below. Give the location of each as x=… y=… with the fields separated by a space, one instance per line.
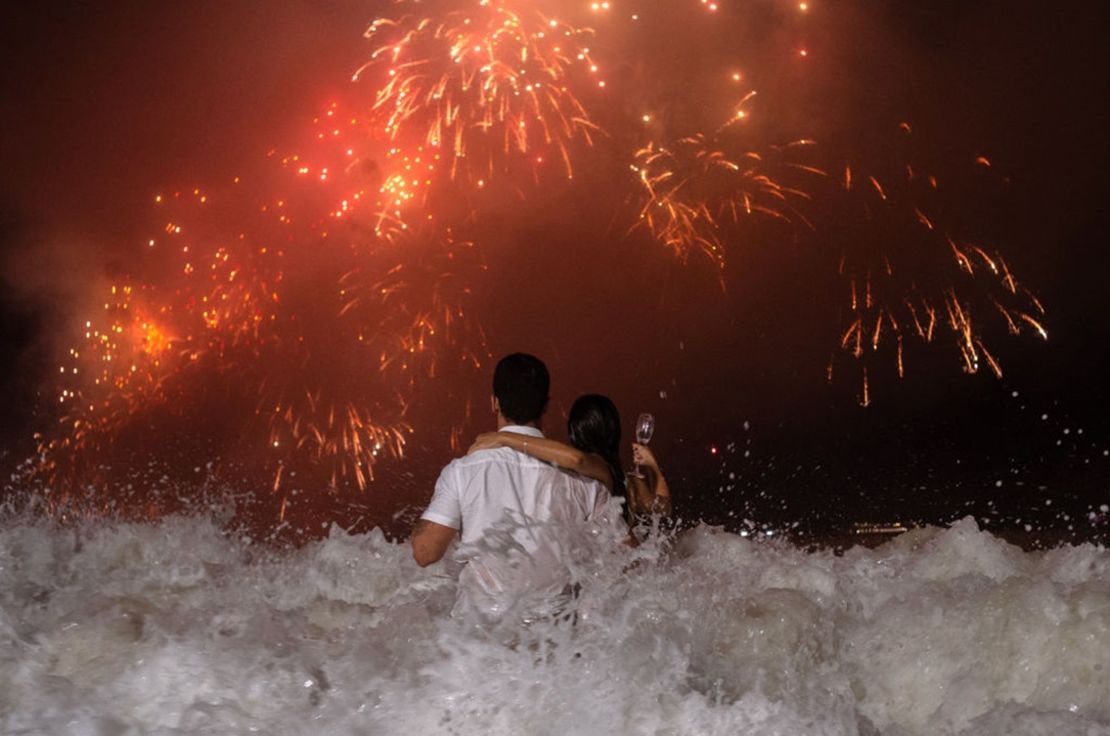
x=521 y=385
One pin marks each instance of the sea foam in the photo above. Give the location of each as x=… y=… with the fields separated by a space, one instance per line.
x=181 y=627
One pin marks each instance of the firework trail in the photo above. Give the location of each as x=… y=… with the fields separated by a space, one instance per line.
x=692 y=191
x=909 y=277
x=488 y=85
x=304 y=318
x=306 y=308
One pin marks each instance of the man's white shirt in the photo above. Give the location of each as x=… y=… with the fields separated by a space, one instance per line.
x=500 y=486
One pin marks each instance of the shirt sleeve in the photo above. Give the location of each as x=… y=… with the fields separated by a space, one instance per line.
x=445 y=507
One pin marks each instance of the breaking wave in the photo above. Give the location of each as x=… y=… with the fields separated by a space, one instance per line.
x=183 y=627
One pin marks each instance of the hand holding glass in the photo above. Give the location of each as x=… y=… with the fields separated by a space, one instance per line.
x=645 y=427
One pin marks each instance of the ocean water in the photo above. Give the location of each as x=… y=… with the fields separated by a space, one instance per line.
x=181 y=627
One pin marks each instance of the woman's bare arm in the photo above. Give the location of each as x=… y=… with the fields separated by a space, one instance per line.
x=548 y=450
x=657 y=498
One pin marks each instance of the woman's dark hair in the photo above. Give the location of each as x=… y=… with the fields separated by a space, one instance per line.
x=594 y=425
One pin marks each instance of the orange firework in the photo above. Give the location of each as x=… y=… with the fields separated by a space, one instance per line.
x=693 y=189
x=414 y=291
x=485 y=87
x=366 y=178
x=114 y=367
x=374 y=326
x=292 y=321
x=907 y=277
x=293 y=339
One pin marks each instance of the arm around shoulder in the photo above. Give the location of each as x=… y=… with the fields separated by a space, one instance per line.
x=564 y=456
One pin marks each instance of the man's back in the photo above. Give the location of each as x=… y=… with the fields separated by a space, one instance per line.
x=498 y=482
x=501 y=490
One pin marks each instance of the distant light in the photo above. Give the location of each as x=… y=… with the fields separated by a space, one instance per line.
x=713 y=450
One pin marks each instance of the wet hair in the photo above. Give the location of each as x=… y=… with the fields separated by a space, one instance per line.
x=521 y=385
x=594 y=425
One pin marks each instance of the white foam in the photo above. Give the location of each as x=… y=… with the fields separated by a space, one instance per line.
x=181 y=628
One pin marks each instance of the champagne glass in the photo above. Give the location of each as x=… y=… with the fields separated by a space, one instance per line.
x=645 y=428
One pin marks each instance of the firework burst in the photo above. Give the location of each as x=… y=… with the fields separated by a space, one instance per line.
x=310 y=327
x=297 y=316
x=908 y=277
x=488 y=88
x=693 y=190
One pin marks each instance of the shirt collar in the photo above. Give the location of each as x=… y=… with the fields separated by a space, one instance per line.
x=518 y=429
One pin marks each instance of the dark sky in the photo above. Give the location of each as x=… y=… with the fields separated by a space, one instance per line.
x=106 y=102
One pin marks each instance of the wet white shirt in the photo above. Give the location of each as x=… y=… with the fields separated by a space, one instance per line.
x=524 y=568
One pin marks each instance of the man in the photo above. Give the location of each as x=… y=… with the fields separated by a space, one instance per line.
x=505 y=504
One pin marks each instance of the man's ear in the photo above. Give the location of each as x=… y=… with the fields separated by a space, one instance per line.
x=494 y=404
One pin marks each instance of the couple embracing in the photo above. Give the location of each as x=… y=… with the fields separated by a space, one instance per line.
x=514 y=486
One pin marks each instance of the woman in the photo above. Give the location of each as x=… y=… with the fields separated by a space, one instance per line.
x=594 y=428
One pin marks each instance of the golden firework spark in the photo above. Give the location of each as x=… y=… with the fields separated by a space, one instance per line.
x=486 y=87
x=690 y=190
x=313 y=307
x=309 y=336
x=907 y=278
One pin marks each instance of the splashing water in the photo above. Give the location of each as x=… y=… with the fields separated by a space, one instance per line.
x=180 y=627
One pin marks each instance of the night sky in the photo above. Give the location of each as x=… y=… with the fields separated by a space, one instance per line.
x=107 y=103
